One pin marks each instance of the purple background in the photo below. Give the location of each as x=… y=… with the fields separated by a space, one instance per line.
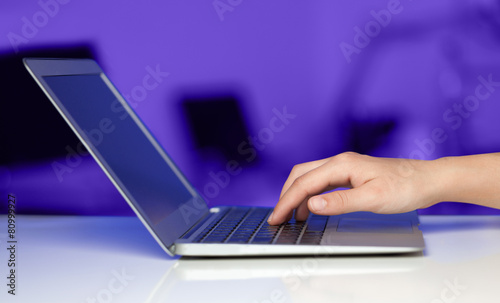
x=273 y=54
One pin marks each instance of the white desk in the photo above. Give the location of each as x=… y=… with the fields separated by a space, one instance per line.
x=113 y=259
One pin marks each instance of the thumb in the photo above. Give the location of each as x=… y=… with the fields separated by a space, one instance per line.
x=343 y=201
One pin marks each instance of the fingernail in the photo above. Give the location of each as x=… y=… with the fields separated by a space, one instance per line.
x=318 y=203
x=270 y=217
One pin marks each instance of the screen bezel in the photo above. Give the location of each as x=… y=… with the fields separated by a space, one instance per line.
x=40 y=68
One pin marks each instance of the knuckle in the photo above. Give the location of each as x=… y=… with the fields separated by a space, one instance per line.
x=302 y=185
x=297 y=170
x=350 y=153
x=347 y=157
x=300 y=182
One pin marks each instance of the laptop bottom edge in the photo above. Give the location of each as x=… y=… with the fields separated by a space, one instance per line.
x=227 y=250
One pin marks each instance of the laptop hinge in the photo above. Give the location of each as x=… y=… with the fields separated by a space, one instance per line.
x=192 y=229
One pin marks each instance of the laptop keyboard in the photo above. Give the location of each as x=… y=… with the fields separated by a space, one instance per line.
x=249 y=225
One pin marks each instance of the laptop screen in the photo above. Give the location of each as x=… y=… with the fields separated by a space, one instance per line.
x=129 y=154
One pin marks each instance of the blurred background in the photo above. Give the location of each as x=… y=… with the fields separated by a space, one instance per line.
x=252 y=87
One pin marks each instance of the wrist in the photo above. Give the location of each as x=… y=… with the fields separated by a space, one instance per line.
x=436 y=177
x=466 y=179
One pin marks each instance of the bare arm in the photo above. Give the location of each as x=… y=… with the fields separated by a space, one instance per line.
x=387 y=185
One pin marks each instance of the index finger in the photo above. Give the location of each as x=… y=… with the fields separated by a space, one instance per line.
x=324 y=177
x=299 y=170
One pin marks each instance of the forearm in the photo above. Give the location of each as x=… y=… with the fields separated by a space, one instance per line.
x=472 y=179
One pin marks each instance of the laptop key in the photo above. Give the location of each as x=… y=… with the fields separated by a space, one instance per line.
x=314 y=230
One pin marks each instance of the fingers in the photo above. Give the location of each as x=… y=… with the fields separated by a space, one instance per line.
x=299 y=170
x=302 y=212
x=322 y=178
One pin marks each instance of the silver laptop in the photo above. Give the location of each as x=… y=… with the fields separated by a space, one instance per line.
x=172 y=210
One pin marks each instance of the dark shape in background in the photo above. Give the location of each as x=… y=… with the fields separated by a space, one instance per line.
x=33 y=135
x=30 y=126
x=217 y=125
x=366 y=136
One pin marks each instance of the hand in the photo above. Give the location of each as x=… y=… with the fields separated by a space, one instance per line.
x=380 y=185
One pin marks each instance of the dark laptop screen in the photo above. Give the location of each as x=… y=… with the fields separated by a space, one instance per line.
x=132 y=159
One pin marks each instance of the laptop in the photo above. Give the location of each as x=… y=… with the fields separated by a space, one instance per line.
x=172 y=210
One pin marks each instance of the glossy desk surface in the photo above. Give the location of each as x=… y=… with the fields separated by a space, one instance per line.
x=114 y=259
